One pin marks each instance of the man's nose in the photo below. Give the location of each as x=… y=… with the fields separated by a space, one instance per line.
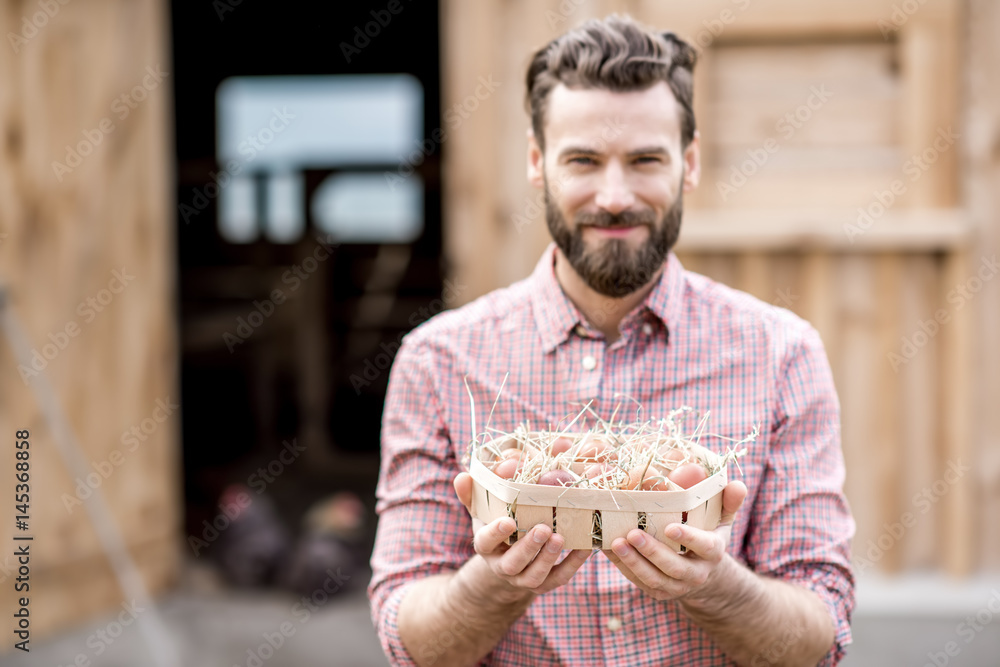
x=614 y=195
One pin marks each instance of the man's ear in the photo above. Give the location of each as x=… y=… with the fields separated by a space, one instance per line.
x=692 y=163
x=536 y=161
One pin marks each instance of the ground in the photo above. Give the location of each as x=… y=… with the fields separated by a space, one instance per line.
x=905 y=623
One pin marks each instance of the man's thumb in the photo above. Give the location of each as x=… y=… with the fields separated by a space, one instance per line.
x=732 y=499
x=463 y=489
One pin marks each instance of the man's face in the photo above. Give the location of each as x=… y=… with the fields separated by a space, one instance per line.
x=614 y=174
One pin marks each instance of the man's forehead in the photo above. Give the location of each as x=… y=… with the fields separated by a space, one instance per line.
x=577 y=114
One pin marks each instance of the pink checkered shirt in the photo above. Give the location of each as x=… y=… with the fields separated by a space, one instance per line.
x=693 y=342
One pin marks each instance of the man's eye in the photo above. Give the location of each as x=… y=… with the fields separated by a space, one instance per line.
x=648 y=159
x=582 y=160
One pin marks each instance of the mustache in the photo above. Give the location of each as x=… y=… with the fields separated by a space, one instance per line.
x=607 y=220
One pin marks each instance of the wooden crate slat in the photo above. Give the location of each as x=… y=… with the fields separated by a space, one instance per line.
x=576 y=527
x=615 y=525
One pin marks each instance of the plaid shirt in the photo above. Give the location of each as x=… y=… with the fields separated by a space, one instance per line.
x=692 y=342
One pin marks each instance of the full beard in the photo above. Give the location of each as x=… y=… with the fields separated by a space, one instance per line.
x=614 y=269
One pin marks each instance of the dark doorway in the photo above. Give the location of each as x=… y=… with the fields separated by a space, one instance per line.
x=285 y=333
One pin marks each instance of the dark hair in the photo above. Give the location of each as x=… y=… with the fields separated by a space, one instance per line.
x=617 y=54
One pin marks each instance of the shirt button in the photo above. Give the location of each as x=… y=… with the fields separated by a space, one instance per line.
x=613 y=624
x=589 y=363
x=647 y=329
x=580 y=330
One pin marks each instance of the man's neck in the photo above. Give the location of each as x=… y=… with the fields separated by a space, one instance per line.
x=604 y=313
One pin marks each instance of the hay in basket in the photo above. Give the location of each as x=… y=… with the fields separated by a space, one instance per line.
x=593 y=484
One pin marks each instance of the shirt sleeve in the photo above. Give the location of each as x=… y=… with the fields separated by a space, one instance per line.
x=423 y=529
x=801 y=526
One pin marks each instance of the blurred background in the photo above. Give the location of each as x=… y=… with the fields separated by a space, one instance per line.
x=217 y=220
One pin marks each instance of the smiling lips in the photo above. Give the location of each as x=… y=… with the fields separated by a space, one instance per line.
x=615 y=232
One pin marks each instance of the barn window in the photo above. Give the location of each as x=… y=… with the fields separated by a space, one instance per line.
x=360 y=128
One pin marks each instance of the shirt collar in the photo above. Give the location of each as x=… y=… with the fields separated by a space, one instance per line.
x=557 y=316
x=666 y=301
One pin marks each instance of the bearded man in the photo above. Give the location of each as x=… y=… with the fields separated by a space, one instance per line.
x=609 y=312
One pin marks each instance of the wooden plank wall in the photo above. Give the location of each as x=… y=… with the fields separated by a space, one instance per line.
x=60 y=243
x=981 y=170
x=895 y=86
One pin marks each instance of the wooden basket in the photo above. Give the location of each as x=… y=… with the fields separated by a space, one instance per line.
x=594 y=518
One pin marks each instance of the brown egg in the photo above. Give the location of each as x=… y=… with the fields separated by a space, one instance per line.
x=636 y=478
x=688 y=475
x=507 y=468
x=655 y=483
x=560 y=445
x=595 y=449
x=673 y=454
x=597 y=469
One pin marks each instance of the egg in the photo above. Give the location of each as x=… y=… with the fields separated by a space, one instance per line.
x=556 y=478
x=597 y=469
x=560 y=445
x=595 y=449
x=688 y=475
x=638 y=480
x=655 y=483
x=673 y=454
x=507 y=468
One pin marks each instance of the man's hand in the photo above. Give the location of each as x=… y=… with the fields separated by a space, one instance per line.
x=528 y=567
x=662 y=573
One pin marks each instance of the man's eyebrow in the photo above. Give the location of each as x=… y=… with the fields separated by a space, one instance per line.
x=586 y=150
x=649 y=150
x=578 y=150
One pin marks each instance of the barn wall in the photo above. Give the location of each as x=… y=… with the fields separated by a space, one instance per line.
x=981 y=191
x=790 y=230
x=86 y=250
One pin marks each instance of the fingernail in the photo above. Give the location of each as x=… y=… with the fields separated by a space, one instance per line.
x=553 y=547
x=674 y=533
x=538 y=537
x=639 y=541
x=620 y=548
